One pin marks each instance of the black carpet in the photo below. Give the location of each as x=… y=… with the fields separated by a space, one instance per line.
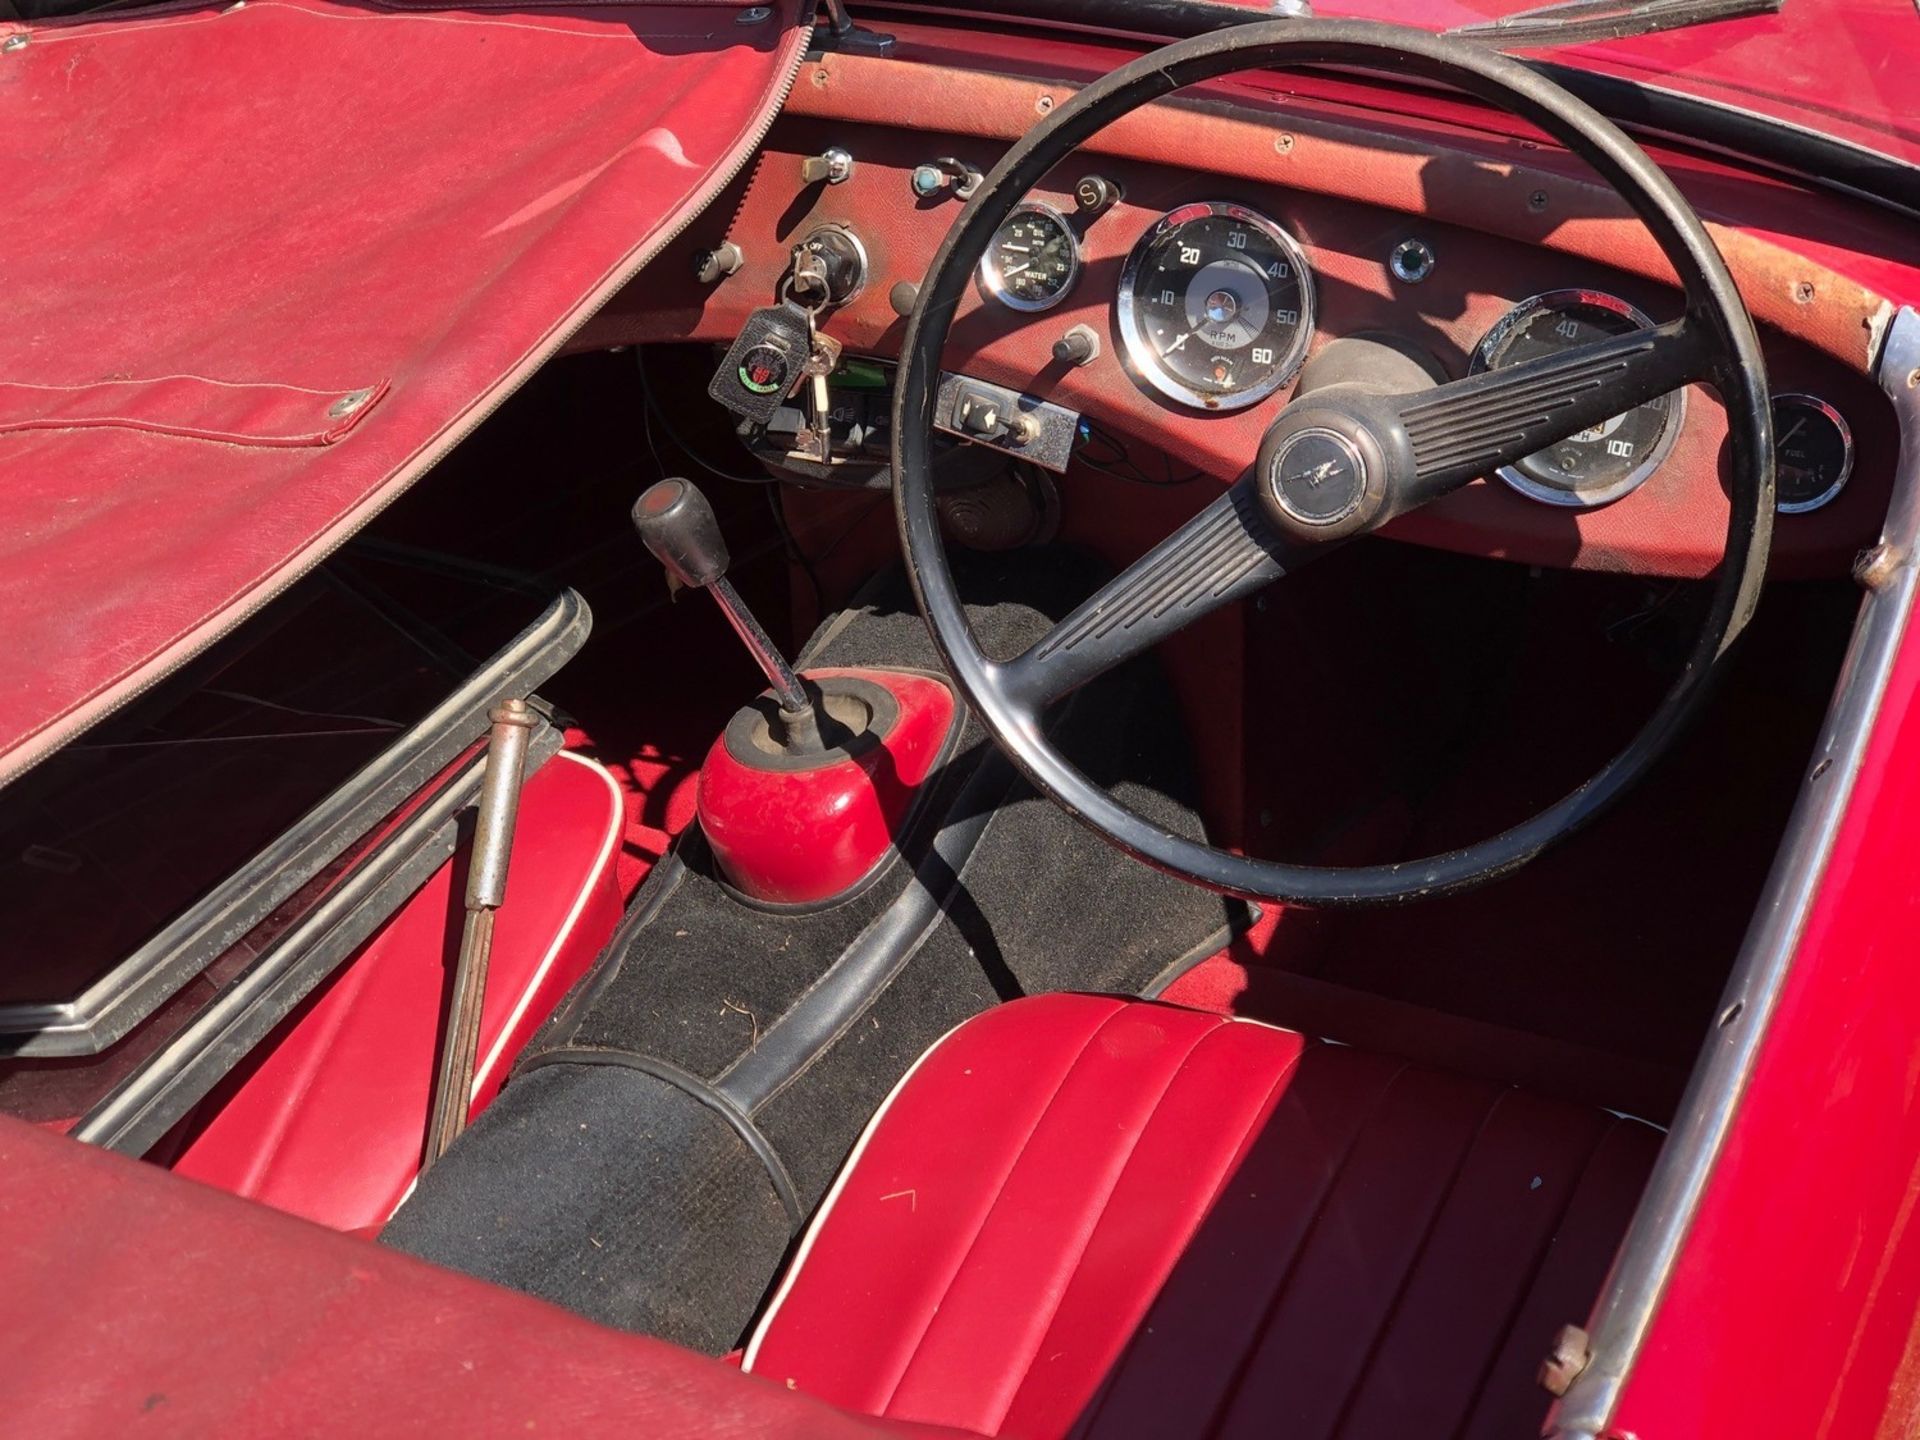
x=749 y=1046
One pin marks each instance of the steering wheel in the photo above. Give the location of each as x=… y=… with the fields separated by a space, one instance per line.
x=1342 y=460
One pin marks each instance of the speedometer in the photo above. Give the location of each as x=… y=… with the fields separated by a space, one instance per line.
x=1216 y=306
x=1602 y=463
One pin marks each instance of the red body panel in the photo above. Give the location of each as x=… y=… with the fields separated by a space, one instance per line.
x=1792 y=1309
x=798 y=837
x=278 y=258
x=328 y=1123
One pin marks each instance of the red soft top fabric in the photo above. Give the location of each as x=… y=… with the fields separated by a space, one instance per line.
x=135 y=1302
x=262 y=263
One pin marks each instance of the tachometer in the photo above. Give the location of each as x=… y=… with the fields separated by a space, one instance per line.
x=1812 y=452
x=1603 y=462
x=1216 y=306
x=1033 y=259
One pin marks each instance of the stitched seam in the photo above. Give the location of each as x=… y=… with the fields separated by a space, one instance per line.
x=1392 y=1311
x=1261 y=1113
x=158 y=379
x=1505 y=1336
x=1000 y=1190
x=1223 y=1411
x=1100 y=1215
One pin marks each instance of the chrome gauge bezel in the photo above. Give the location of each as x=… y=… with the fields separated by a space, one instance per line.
x=1144 y=361
x=1546 y=494
x=1815 y=403
x=994 y=284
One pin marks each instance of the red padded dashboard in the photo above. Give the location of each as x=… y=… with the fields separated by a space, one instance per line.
x=1507 y=217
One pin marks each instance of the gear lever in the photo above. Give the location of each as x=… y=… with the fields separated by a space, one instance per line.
x=678 y=526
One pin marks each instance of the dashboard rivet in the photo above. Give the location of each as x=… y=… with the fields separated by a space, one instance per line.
x=1803 y=292
x=1283 y=143
x=349 y=403
x=1411 y=261
x=1913 y=379
x=1537 y=200
x=753 y=15
x=15 y=42
x=1044 y=104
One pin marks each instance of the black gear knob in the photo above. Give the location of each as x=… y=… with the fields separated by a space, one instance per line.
x=678 y=526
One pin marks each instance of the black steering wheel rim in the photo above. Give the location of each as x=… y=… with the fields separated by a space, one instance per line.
x=1713 y=306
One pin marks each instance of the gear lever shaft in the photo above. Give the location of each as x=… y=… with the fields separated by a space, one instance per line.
x=678 y=526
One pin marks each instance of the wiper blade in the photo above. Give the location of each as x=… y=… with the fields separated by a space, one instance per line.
x=1581 y=22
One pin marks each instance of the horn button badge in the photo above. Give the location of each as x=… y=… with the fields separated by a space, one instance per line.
x=1315 y=478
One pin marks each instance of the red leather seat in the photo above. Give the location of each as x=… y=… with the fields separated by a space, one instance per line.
x=1087 y=1215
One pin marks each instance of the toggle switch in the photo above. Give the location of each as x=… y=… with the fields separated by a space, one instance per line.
x=833 y=165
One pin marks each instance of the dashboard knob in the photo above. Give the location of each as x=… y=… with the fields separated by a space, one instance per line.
x=832 y=165
x=1095 y=193
x=1079 y=346
x=713 y=266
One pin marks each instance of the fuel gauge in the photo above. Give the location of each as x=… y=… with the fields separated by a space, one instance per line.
x=1812 y=453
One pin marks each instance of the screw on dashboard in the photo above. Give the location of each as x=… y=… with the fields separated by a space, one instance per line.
x=1537 y=201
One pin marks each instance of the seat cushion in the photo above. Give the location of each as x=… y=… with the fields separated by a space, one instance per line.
x=1106 y=1217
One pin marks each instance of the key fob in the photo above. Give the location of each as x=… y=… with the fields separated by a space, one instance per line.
x=765 y=363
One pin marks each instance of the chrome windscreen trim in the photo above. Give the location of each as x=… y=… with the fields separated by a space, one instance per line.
x=146 y=979
x=1667 y=1209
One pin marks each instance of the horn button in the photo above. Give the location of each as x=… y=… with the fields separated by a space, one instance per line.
x=1321 y=474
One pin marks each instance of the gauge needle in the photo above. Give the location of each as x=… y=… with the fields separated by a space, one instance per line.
x=1790 y=433
x=1014 y=270
x=1178 y=343
x=1017 y=249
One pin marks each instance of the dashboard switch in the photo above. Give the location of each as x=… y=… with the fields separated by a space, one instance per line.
x=1022 y=425
x=1079 y=346
x=1095 y=194
x=716 y=264
x=944 y=176
x=832 y=165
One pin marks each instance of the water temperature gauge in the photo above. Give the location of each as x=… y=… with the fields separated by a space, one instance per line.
x=1033 y=260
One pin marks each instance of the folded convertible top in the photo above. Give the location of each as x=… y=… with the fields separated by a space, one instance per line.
x=263 y=262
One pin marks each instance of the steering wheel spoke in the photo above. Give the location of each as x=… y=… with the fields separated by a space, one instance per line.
x=1224 y=553
x=1471 y=427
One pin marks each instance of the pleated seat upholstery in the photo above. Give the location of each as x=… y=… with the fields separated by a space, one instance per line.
x=1090 y=1216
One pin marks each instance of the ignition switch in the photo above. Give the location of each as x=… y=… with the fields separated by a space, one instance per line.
x=829 y=267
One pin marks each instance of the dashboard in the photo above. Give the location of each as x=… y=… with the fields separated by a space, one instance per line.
x=1177 y=305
